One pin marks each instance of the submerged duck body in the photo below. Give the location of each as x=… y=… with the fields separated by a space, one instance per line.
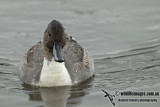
x=57 y=61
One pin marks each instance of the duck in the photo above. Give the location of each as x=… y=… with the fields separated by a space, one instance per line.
x=58 y=60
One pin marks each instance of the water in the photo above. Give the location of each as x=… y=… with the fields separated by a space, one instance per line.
x=121 y=35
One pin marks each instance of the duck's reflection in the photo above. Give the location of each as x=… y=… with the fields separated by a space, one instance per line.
x=55 y=97
x=59 y=96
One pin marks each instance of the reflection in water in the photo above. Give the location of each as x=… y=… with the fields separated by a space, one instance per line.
x=78 y=92
x=55 y=97
x=59 y=96
x=33 y=92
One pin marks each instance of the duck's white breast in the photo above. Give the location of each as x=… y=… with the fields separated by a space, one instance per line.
x=54 y=74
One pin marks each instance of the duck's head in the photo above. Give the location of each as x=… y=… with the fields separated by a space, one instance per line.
x=54 y=40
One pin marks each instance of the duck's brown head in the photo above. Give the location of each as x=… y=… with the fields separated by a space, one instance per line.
x=54 y=40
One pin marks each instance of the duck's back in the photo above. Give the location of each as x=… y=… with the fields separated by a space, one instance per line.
x=31 y=64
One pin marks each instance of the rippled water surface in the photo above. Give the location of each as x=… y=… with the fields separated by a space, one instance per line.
x=123 y=37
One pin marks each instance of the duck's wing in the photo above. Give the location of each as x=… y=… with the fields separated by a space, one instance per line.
x=77 y=61
x=31 y=64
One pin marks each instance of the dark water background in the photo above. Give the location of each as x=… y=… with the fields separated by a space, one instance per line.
x=123 y=37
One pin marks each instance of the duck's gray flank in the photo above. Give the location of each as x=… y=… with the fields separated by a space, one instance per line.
x=31 y=64
x=82 y=64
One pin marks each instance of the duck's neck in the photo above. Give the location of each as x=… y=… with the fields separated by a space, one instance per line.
x=48 y=53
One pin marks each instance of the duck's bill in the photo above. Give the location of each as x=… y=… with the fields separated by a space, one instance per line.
x=57 y=53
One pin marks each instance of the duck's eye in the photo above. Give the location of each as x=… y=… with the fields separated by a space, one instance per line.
x=49 y=34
